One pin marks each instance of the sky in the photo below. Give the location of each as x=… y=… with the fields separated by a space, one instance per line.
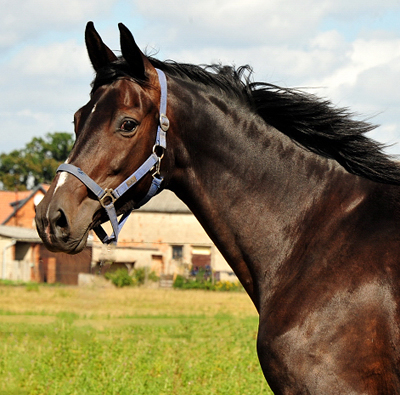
x=341 y=50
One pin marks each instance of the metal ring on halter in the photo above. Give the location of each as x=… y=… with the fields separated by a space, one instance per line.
x=105 y=199
x=155 y=148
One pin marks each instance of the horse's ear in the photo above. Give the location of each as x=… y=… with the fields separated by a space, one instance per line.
x=100 y=55
x=132 y=54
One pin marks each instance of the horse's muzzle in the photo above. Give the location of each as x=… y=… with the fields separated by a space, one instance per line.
x=61 y=230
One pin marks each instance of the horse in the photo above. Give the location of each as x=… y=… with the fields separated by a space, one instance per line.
x=303 y=205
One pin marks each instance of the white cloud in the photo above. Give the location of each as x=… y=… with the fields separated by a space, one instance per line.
x=365 y=55
x=58 y=60
x=46 y=74
x=41 y=88
x=231 y=23
x=346 y=9
x=24 y=19
x=227 y=23
x=364 y=77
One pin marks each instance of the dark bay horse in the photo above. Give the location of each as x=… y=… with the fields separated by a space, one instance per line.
x=302 y=204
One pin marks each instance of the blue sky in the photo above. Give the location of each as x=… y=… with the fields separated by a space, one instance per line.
x=348 y=52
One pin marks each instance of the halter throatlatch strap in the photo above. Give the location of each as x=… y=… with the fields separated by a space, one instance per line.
x=108 y=196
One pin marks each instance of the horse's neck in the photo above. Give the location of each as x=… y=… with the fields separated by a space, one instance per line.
x=252 y=188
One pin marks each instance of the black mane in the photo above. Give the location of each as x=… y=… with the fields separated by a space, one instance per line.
x=310 y=121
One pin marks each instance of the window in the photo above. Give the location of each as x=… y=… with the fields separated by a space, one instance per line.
x=177 y=252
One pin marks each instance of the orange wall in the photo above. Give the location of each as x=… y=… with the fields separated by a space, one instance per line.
x=24 y=217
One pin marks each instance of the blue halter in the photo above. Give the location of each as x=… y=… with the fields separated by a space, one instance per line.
x=108 y=196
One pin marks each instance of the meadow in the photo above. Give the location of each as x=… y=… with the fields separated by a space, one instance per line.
x=70 y=340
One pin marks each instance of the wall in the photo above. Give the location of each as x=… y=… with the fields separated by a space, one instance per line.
x=5 y=267
x=19 y=271
x=18 y=260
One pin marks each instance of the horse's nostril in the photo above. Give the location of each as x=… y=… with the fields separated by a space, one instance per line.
x=61 y=221
x=59 y=226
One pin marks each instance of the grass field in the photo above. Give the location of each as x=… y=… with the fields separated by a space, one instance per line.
x=67 y=340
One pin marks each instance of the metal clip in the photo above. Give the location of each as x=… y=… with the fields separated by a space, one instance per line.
x=157 y=168
x=108 y=197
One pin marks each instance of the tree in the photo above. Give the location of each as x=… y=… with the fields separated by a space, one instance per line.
x=36 y=163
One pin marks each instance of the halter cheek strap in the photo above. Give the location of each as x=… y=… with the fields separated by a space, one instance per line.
x=108 y=196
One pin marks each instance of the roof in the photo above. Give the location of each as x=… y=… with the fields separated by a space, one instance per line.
x=20 y=234
x=165 y=202
x=12 y=201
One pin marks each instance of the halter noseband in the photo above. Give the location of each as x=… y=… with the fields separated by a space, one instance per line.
x=108 y=196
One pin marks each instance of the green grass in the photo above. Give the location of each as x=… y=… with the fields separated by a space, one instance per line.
x=67 y=352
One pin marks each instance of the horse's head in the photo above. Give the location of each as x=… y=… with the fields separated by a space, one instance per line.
x=117 y=131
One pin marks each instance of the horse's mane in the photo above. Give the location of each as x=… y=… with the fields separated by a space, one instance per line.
x=313 y=123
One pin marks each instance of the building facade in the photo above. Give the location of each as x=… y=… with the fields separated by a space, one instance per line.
x=164 y=236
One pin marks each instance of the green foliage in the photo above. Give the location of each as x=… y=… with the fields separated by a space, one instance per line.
x=179 y=282
x=201 y=283
x=11 y=283
x=32 y=287
x=36 y=163
x=139 y=275
x=142 y=274
x=29 y=286
x=152 y=276
x=121 y=278
x=228 y=286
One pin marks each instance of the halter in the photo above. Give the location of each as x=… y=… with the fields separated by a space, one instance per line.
x=108 y=196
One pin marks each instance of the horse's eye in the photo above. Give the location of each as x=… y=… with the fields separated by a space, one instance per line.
x=128 y=126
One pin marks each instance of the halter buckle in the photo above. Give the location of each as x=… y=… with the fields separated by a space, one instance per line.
x=164 y=122
x=108 y=197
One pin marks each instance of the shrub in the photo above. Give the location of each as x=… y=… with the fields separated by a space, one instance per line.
x=228 y=286
x=179 y=281
x=140 y=276
x=153 y=277
x=200 y=283
x=120 y=278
